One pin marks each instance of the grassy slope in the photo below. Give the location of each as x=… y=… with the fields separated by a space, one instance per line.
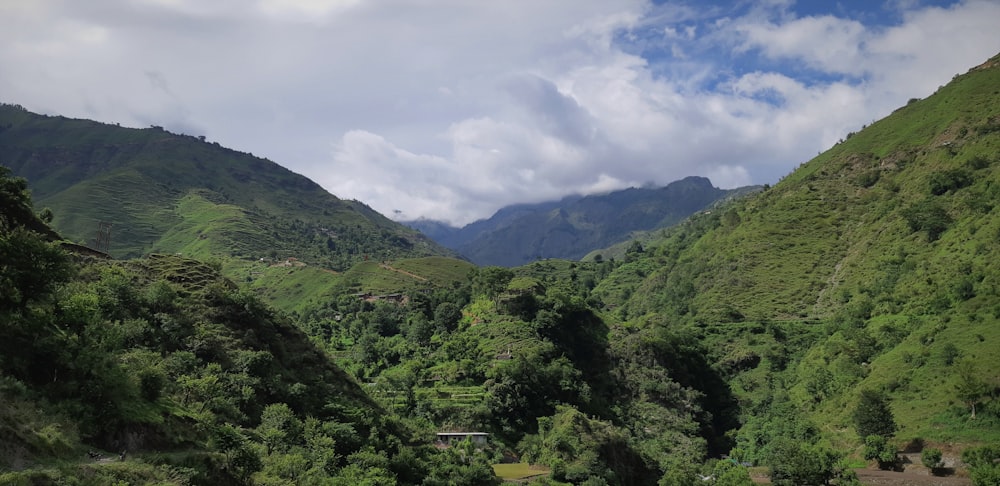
x=139 y=180
x=831 y=242
x=168 y=193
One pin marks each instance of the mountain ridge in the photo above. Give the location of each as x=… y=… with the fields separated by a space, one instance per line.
x=136 y=179
x=575 y=225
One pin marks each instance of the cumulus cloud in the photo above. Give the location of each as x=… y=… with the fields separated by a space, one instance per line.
x=450 y=109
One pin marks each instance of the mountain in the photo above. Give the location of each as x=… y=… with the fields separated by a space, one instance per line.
x=170 y=193
x=851 y=308
x=159 y=370
x=764 y=328
x=871 y=267
x=573 y=226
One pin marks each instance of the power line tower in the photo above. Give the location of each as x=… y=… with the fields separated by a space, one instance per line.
x=103 y=236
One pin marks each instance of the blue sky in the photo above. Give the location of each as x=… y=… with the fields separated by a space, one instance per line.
x=451 y=109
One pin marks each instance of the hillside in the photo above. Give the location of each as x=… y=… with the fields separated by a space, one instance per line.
x=878 y=259
x=160 y=371
x=853 y=302
x=575 y=225
x=752 y=329
x=170 y=193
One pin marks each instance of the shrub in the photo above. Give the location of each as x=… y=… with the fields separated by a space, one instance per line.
x=877 y=448
x=931 y=458
x=928 y=215
x=949 y=180
x=793 y=463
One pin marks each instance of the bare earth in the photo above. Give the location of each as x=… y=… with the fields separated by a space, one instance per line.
x=890 y=478
x=875 y=477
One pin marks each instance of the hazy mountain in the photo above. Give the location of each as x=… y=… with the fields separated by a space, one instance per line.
x=573 y=226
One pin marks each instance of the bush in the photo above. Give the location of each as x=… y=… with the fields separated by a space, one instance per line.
x=877 y=448
x=793 y=463
x=931 y=458
x=949 y=180
x=928 y=215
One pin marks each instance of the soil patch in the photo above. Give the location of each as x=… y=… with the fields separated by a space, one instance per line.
x=891 y=478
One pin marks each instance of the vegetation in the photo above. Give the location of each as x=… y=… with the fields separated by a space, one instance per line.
x=181 y=375
x=822 y=322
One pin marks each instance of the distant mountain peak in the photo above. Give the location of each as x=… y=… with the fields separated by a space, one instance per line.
x=574 y=225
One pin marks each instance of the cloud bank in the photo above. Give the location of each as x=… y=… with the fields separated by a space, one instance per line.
x=450 y=109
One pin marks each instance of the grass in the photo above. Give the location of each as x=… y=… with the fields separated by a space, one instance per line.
x=516 y=471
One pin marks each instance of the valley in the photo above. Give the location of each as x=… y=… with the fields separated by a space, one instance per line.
x=252 y=328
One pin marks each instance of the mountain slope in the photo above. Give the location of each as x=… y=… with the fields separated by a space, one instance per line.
x=878 y=258
x=175 y=193
x=173 y=370
x=573 y=226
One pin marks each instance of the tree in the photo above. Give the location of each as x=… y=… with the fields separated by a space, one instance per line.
x=492 y=281
x=793 y=463
x=872 y=416
x=30 y=268
x=970 y=387
x=446 y=316
x=279 y=428
x=728 y=473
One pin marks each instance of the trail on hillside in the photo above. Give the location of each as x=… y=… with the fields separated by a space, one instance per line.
x=404 y=272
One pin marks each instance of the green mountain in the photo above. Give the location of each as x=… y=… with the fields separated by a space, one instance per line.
x=776 y=328
x=871 y=267
x=842 y=315
x=168 y=193
x=161 y=371
x=575 y=225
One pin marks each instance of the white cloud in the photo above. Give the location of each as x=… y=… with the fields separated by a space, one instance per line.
x=826 y=43
x=451 y=109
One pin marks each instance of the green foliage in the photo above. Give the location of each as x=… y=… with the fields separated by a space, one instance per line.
x=727 y=473
x=872 y=415
x=983 y=466
x=930 y=216
x=169 y=347
x=878 y=449
x=31 y=268
x=579 y=449
x=794 y=463
x=949 y=180
x=931 y=458
x=971 y=388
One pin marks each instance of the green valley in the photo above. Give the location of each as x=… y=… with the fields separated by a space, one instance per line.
x=255 y=330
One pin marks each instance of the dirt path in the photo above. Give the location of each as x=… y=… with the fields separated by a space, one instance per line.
x=890 y=478
x=876 y=477
x=404 y=272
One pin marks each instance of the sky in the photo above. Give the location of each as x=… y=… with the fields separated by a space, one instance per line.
x=452 y=109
